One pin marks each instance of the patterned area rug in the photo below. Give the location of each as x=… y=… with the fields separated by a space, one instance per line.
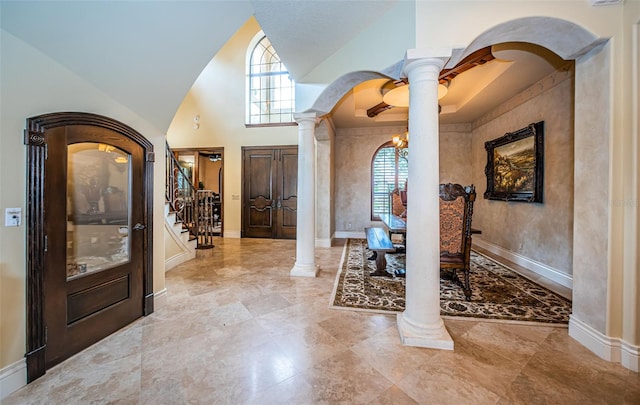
x=498 y=293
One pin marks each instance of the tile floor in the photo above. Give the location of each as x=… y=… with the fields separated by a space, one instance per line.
x=234 y=328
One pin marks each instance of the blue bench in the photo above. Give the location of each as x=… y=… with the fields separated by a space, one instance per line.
x=378 y=242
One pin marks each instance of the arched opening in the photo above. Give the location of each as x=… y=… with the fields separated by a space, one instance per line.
x=590 y=117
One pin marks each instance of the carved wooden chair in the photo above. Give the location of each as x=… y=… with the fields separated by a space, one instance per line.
x=456 y=210
x=398 y=202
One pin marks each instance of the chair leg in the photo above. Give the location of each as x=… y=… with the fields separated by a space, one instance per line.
x=466 y=285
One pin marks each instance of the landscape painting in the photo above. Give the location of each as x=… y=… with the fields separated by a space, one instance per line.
x=515 y=165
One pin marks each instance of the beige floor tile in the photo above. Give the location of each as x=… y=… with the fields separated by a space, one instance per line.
x=345 y=378
x=235 y=328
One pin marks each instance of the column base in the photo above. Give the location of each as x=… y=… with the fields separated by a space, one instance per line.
x=430 y=336
x=304 y=270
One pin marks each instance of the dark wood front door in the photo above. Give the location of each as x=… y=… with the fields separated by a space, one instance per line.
x=270 y=188
x=95 y=230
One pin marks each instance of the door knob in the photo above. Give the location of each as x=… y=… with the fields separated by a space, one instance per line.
x=139 y=227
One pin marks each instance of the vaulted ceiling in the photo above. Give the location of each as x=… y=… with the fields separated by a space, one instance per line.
x=146 y=55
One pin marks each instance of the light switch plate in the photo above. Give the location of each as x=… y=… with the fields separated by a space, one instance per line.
x=12 y=216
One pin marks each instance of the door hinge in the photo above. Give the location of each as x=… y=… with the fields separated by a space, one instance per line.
x=46 y=243
x=46 y=334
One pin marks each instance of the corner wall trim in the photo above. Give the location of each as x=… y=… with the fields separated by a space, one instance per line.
x=536 y=267
x=325 y=242
x=12 y=378
x=606 y=347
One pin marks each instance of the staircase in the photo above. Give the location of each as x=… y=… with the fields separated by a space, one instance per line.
x=180 y=246
x=190 y=215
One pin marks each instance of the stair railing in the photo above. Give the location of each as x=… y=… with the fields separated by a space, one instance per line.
x=208 y=214
x=191 y=206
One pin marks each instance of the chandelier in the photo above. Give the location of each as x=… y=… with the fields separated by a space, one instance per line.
x=401 y=143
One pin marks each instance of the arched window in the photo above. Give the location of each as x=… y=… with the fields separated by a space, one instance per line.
x=271 y=98
x=389 y=170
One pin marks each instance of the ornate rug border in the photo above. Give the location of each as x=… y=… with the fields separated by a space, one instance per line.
x=451 y=317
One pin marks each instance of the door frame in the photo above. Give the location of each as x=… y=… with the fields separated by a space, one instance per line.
x=35 y=216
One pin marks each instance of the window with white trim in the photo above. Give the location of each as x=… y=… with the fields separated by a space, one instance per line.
x=271 y=91
x=389 y=171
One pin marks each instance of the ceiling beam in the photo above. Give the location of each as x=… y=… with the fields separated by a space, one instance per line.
x=479 y=57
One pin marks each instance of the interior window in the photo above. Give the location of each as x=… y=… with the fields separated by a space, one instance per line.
x=271 y=89
x=389 y=170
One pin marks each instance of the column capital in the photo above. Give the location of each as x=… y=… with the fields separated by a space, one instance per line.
x=431 y=60
x=306 y=118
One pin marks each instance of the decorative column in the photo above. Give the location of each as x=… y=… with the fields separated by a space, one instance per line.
x=420 y=324
x=306 y=208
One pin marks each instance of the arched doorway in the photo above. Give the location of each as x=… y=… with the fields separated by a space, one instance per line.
x=89 y=223
x=592 y=162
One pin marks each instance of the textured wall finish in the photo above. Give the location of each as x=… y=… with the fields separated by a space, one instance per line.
x=354 y=149
x=353 y=153
x=540 y=232
x=592 y=190
x=455 y=149
x=325 y=137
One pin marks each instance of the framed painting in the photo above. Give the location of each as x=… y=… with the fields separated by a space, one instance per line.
x=515 y=165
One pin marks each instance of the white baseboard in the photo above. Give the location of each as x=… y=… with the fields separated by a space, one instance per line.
x=232 y=234
x=325 y=242
x=178 y=259
x=606 y=347
x=12 y=378
x=345 y=235
x=603 y=346
x=630 y=356
x=532 y=265
x=160 y=298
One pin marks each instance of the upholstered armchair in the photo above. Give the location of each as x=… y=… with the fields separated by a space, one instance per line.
x=456 y=210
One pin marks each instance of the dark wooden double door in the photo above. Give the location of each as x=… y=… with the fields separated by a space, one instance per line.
x=270 y=192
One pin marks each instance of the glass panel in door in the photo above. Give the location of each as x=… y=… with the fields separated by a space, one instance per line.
x=98 y=216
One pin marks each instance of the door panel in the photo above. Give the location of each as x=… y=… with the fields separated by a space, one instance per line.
x=270 y=186
x=94 y=259
x=258 y=167
x=288 y=195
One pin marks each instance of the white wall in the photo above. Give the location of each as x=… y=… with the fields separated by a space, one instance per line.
x=34 y=84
